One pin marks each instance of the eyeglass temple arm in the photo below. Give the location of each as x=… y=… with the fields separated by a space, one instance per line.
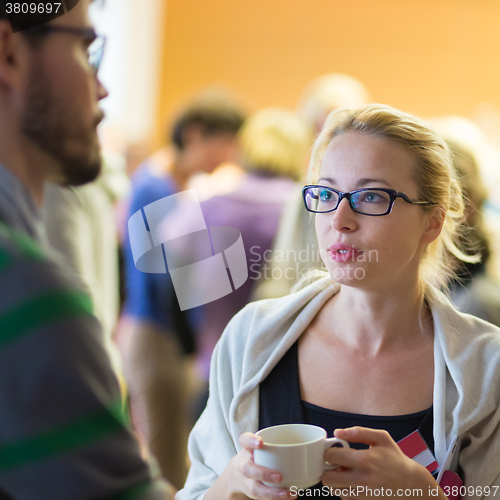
x=414 y=202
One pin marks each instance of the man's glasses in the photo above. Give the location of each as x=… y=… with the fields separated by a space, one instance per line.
x=96 y=47
x=367 y=201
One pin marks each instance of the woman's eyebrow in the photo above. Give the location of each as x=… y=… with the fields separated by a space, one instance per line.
x=360 y=183
x=327 y=179
x=364 y=182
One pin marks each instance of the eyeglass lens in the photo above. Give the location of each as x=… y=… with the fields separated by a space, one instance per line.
x=369 y=202
x=96 y=52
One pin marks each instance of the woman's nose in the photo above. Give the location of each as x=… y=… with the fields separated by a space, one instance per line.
x=344 y=219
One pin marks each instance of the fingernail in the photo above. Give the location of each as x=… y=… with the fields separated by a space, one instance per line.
x=283 y=494
x=275 y=478
x=256 y=442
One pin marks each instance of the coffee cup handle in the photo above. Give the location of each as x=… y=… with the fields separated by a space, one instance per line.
x=328 y=444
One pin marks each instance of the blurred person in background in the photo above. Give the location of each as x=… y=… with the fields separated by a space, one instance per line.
x=80 y=222
x=274 y=146
x=296 y=235
x=63 y=432
x=474 y=290
x=156 y=337
x=486 y=116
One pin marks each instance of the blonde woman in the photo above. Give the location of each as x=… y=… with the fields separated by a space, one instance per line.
x=372 y=352
x=296 y=233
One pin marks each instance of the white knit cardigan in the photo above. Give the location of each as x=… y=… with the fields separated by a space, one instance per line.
x=466 y=384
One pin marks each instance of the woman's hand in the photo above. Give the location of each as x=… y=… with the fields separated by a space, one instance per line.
x=383 y=465
x=243 y=477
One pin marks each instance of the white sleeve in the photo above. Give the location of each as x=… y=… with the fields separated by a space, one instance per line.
x=211 y=445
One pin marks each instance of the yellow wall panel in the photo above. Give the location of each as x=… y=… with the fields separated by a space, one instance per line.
x=424 y=56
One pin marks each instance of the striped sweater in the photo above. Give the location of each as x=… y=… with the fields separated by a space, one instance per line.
x=63 y=434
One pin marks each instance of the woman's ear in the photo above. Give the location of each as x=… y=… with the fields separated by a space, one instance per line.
x=435 y=221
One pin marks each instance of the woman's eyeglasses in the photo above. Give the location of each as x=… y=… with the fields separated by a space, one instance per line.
x=367 y=201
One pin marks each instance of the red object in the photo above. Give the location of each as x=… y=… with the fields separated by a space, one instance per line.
x=449 y=480
x=414 y=447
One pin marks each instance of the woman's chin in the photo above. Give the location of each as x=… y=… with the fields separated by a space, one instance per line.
x=348 y=275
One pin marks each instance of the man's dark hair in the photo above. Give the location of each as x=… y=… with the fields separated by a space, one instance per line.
x=24 y=21
x=28 y=23
x=3 y=11
x=213 y=111
x=33 y=35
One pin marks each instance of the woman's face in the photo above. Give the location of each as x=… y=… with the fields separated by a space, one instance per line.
x=372 y=252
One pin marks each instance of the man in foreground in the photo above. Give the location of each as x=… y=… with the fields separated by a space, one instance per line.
x=62 y=430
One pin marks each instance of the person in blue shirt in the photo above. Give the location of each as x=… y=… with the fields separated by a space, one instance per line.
x=158 y=335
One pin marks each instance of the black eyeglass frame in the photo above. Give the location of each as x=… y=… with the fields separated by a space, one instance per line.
x=393 y=194
x=87 y=33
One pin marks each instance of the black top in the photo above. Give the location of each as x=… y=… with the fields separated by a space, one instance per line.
x=280 y=403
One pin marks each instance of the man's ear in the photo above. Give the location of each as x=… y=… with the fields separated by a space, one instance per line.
x=435 y=221
x=11 y=47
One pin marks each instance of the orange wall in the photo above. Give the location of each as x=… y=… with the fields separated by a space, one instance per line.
x=424 y=56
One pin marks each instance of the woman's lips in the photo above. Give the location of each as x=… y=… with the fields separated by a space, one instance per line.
x=343 y=253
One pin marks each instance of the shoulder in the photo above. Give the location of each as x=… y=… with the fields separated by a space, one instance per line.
x=468 y=343
x=33 y=285
x=481 y=298
x=463 y=328
x=51 y=343
x=145 y=181
x=55 y=195
x=267 y=320
x=148 y=188
x=49 y=335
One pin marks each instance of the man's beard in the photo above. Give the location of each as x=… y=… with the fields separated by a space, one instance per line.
x=56 y=129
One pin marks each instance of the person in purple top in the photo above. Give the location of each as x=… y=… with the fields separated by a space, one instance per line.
x=156 y=335
x=274 y=145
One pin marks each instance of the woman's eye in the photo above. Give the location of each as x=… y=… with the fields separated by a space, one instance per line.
x=325 y=195
x=372 y=197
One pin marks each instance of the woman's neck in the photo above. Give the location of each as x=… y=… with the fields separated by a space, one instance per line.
x=375 y=322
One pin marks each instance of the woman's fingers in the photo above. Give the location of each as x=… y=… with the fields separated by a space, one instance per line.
x=383 y=463
x=341 y=479
x=253 y=471
x=344 y=457
x=371 y=437
x=359 y=459
x=250 y=441
x=254 y=475
x=261 y=491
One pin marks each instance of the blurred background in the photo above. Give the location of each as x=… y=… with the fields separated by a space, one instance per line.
x=422 y=56
x=429 y=58
x=438 y=59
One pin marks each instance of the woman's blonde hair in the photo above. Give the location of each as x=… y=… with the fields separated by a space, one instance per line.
x=433 y=172
x=275 y=141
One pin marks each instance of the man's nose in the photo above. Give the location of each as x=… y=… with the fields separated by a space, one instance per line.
x=344 y=218
x=101 y=90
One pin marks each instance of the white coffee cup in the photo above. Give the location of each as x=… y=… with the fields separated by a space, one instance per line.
x=297 y=452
